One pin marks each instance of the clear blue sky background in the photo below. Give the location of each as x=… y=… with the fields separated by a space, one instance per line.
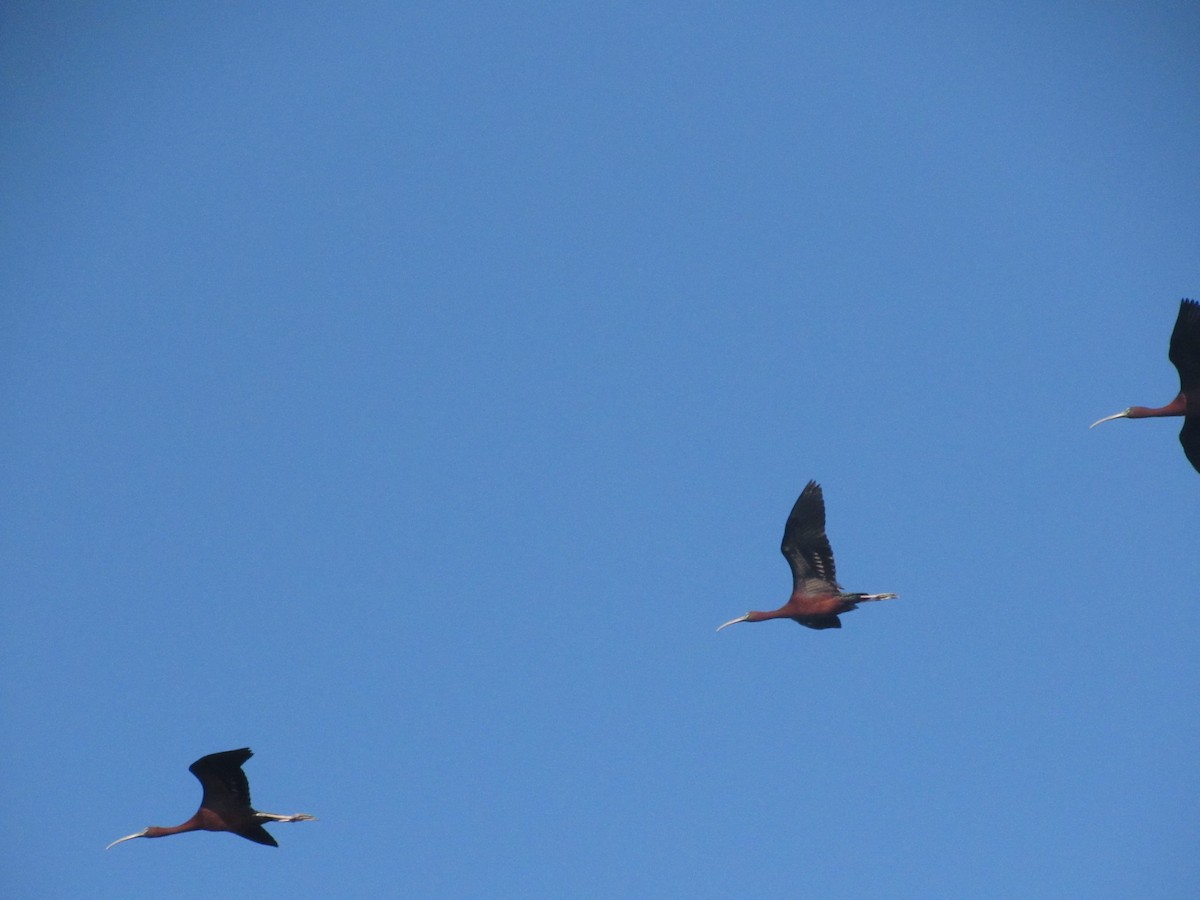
x=407 y=391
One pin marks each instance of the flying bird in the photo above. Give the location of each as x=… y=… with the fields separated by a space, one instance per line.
x=226 y=803
x=817 y=599
x=1184 y=352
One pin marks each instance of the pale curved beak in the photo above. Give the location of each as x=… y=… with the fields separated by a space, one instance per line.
x=129 y=837
x=1120 y=415
x=734 y=621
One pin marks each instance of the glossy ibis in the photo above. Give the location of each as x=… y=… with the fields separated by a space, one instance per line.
x=1184 y=352
x=817 y=599
x=226 y=803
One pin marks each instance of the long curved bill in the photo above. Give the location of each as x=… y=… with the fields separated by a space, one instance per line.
x=734 y=621
x=1120 y=415
x=128 y=837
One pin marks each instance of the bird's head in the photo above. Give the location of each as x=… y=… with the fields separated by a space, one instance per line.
x=1123 y=414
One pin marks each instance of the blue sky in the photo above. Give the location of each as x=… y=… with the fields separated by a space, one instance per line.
x=407 y=391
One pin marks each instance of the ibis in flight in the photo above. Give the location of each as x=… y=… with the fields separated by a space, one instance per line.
x=226 y=804
x=1184 y=352
x=817 y=599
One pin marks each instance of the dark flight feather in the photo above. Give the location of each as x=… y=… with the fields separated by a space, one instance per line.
x=805 y=546
x=224 y=782
x=258 y=834
x=1185 y=354
x=1185 y=346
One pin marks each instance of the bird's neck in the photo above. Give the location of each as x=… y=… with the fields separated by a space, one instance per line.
x=192 y=824
x=1177 y=407
x=764 y=615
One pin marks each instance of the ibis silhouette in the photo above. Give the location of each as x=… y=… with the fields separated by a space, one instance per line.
x=1184 y=352
x=226 y=804
x=817 y=599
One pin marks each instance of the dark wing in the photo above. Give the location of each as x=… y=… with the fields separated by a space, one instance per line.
x=1185 y=354
x=818 y=622
x=805 y=546
x=258 y=834
x=224 y=782
x=1190 y=438
x=1185 y=347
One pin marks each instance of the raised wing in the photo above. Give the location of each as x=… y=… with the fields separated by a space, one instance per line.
x=224 y=782
x=1185 y=347
x=805 y=546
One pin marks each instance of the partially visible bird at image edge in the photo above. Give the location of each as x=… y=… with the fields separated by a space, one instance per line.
x=1184 y=352
x=226 y=803
x=817 y=599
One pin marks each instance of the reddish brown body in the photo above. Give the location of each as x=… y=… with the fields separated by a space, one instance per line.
x=1184 y=353
x=226 y=802
x=817 y=599
x=807 y=608
x=203 y=820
